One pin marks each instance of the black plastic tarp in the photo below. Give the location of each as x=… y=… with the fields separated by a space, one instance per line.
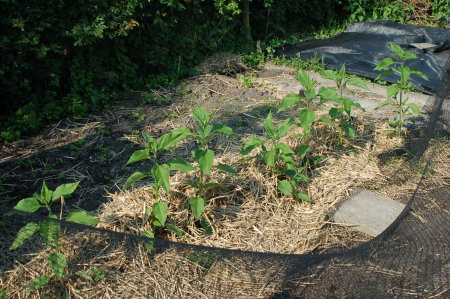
x=363 y=45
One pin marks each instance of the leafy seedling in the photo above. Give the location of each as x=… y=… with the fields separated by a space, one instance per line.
x=308 y=95
x=278 y=156
x=204 y=158
x=341 y=113
x=79 y=144
x=159 y=172
x=49 y=229
x=396 y=92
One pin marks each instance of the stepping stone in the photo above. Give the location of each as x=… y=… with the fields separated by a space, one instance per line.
x=367 y=212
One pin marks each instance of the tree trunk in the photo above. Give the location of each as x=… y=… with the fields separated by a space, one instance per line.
x=246 y=25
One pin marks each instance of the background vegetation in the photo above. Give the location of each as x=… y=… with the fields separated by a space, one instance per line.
x=68 y=58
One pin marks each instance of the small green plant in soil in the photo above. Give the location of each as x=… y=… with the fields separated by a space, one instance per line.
x=254 y=59
x=78 y=145
x=102 y=130
x=139 y=116
x=315 y=63
x=342 y=80
x=159 y=172
x=396 y=92
x=306 y=99
x=94 y=274
x=278 y=156
x=204 y=158
x=26 y=163
x=341 y=113
x=49 y=230
x=247 y=81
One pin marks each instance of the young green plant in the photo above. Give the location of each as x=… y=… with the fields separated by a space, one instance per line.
x=396 y=92
x=278 y=156
x=49 y=229
x=341 y=113
x=308 y=95
x=204 y=158
x=159 y=172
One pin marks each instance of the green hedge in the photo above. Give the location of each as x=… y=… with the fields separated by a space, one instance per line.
x=67 y=58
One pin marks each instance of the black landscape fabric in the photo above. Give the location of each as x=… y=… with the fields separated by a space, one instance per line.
x=363 y=45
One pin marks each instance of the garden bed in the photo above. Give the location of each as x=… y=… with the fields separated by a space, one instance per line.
x=249 y=213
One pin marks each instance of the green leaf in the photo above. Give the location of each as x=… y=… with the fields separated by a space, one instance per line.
x=310 y=94
x=46 y=194
x=204 y=131
x=84 y=275
x=285 y=187
x=202 y=117
x=222 y=129
x=29 y=205
x=156 y=223
x=205 y=160
x=64 y=190
x=334 y=112
x=268 y=125
x=160 y=210
x=284 y=148
x=420 y=74
x=97 y=274
x=174 y=229
x=161 y=173
x=303 y=150
x=58 y=263
x=227 y=168
x=138 y=156
x=206 y=227
x=329 y=74
x=385 y=103
x=305 y=80
x=347 y=105
x=81 y=217
x=358 y=82
x=269 y=158
x=134 y=178
x=329 y=94
x=24 y=233
x=384 y=64
x=392 y=91
x=49 y=231
x=283 y=128
x=180 y=165
x=384 y=74
x=409 y=55
x=39 y=282
x=197 y=205
x=168 y=140
x=290 y=100
x=397 y=50
x=287 y=159
x=307 y=118
x=350 y=130
x=303 y=197
x=251 y=144
x=415 y=109
x=405 y=73
x=342 y=71
x=327 y=121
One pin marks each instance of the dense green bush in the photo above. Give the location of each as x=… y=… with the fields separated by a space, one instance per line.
x=69 y=58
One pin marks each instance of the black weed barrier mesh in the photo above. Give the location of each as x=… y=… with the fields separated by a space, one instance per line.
x=410 y=259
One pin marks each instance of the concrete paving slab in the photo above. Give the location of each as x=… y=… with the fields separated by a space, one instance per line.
x=368 y=212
